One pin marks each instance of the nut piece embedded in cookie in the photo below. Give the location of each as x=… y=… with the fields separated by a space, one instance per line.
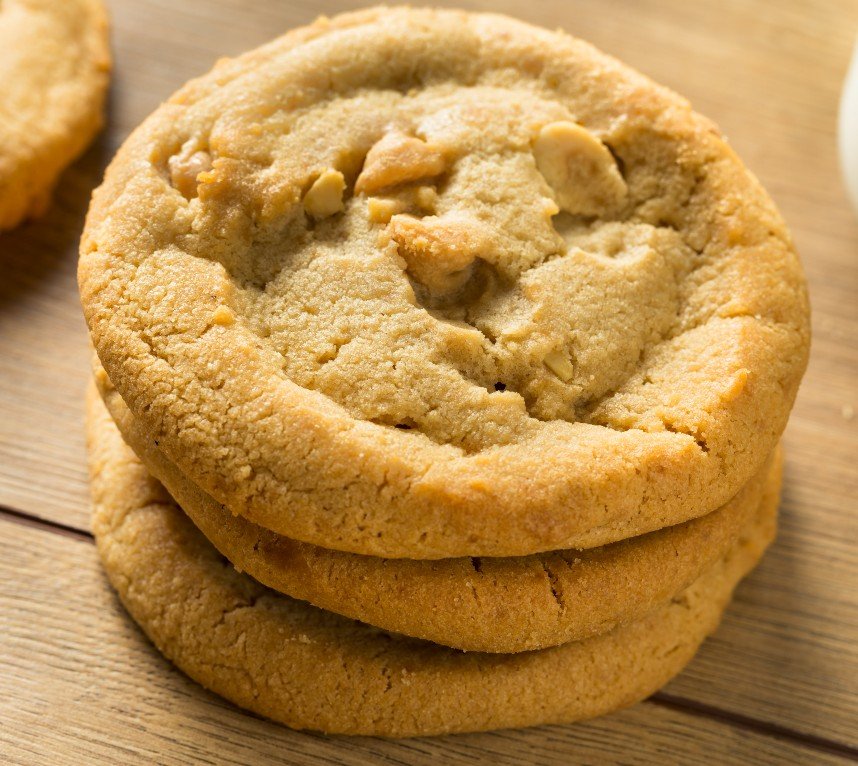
x=559 y=364
x=579 y=168
x=325 y=196
x=187 y=165
x=422 y=199
x=439 y=251
x=381 y=209
x=398 y=159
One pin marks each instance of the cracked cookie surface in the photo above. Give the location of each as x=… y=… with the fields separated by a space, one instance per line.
x=312 y=669
x=424 y=284
x=54 y=70
x=465 y=603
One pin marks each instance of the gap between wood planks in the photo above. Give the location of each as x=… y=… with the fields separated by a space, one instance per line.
x=669 y=701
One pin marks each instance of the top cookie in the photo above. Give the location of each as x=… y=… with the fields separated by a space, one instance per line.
x=420 y=284
x=54 y=70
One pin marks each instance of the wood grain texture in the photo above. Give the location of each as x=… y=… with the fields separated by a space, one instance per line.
x=86 y=688
x=88 y=682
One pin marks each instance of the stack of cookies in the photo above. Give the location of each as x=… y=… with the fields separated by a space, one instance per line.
x=441 y=367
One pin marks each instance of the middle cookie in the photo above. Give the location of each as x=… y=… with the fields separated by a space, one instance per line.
x=472 y=604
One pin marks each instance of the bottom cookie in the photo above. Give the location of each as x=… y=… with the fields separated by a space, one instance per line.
x=312 y=669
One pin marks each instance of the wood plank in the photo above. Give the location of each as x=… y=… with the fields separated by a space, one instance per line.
x=43 y=350
x=86 y=686
x=786 y=651
x=770 y=76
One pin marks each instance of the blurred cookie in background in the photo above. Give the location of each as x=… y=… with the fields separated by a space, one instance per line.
x=55 y=68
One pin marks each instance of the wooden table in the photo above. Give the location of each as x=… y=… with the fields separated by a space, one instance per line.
x=778 y=683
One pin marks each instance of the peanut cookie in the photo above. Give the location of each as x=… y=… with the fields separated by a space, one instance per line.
x=54 y=70
x=312 y=669
x=475 y=604
x=424 y=284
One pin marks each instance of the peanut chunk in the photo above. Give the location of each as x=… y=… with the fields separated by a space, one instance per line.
x=579 y=168
x=440 y=252
x=559 y=364
x=398 y=159
x=187 y=165
x=421 y=198
x=381 y=209
x=325 y=196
